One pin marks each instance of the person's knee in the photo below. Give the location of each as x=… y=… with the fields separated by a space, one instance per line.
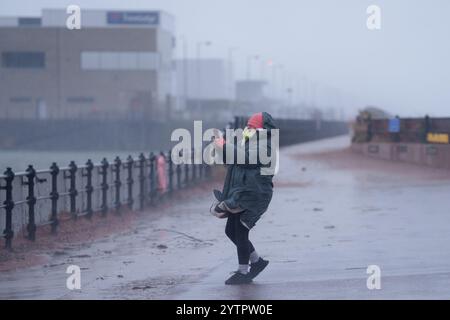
x=230 y=233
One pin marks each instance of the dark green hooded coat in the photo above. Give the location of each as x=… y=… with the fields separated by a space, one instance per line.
x=244 y=185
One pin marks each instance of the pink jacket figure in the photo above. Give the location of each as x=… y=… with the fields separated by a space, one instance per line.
x=161 y=173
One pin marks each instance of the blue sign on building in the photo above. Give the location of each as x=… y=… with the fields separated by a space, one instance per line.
x=133 y=17
x=394 y=125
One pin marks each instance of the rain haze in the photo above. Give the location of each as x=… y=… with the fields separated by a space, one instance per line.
x=403 y=67
x=148 y=148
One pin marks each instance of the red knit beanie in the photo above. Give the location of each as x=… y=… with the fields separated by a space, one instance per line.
x=256 y=121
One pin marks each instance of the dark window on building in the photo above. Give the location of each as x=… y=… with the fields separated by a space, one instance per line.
x=20 y=99
x=30 y=22
x=23 y=59
x=80 y=99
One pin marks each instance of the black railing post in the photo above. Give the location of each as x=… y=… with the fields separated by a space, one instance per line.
x=201 y=167
x=8 y=233
x=169 y=160
x=236 y=123
x=104 y=186
x=54 y=196
x=31 y=202
x=369 y=129
x=141 y=167
x=73 y=188
x=426 y=128
x=129 y=167
x=207 y=171
x=152 y=178
x=89 y=188
x=194 y=167
x=178 y=169
x=186 y=169
x=117 y=184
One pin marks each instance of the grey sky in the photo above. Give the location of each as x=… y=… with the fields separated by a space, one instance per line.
x=404 y=67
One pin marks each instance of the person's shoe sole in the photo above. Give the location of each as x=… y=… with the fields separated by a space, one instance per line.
x=237 y=284
x=242 y=280
x=253 y=275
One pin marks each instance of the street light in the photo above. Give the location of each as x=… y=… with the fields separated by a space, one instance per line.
x=185 y=70
x=249 y=61
x=231 y=71
x=264 y=64
x=199 y=70
x=275 y=67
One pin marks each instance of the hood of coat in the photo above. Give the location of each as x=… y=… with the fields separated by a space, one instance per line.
x=268 y=122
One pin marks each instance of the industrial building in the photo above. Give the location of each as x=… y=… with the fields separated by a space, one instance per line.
x=204 y=79
x=119 y=64
x=205 y=88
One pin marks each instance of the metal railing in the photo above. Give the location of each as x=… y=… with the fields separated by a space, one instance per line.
x=41 y=197
x=44 y=197
x=294 y=131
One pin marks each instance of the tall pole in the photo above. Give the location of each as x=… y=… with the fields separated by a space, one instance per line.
x=262 y=70
x=185 y=70
x=280 y=67
x=274 y=81
x=199 y=46
x=249 y=66
x=284 y=91
x=199 y=69
x=304 y=95
x=313 y=94
x=231 y=72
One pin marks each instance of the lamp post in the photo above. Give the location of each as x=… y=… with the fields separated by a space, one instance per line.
x=199 y=69
x=275 y=67
x=185 y=80
x=231 y=50
x=250 y=58
x=264 y=63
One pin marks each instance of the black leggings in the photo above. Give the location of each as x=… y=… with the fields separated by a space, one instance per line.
x=238 y=233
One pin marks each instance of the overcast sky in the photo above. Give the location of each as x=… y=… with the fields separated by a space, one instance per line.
x=404 y=67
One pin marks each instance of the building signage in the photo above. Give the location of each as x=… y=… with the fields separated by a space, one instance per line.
x=394 y=125
x=133 y=17
x=437 y=137
x=29 y=22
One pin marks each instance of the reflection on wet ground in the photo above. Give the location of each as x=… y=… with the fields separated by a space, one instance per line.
x=333 y=214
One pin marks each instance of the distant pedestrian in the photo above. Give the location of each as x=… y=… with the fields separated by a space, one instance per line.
x=246 y=196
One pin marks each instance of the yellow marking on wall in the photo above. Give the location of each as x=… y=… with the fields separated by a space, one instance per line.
x=437 y=137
